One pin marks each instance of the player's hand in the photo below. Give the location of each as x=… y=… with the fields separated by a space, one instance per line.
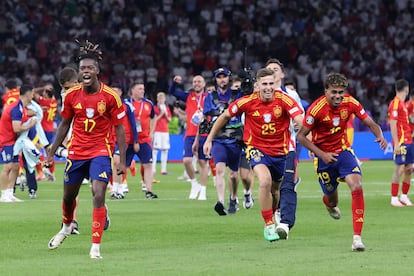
x=136 y=147
x=120 y=169
x=329 y=157
x=383 y=143
x=177 y=79
x=207 y=149
x=50 y=157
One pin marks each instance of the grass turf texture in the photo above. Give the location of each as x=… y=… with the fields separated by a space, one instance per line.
x=176 y=236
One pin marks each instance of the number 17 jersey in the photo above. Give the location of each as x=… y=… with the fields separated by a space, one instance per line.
x=93 y=116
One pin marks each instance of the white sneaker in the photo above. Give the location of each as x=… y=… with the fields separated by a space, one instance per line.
x=6 y=199
x=202 y=195
x=334 y=212
x=395 y=202
x=278 y=217
x=248 y=201
x=405 y=200
x=283 y=231
x=95 y=253
x=357 y=244
x=124 y=188
x=58 y=239
x=195 y=189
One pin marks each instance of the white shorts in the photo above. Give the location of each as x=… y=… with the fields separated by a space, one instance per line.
x=161 y=140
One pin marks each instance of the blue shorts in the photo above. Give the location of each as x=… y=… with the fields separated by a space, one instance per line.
x=144 y=154
x=98 y=168
x=275 y=164
x=407 y=155
x=6 y=155
x=188 y=144
x=329 y=175
x=244 y=163
x=130 y=153
x=50 y=135
x=227 y=153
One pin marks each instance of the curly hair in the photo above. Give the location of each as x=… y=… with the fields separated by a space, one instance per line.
x=335 y=80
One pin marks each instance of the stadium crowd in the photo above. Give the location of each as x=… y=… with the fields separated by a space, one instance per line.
x=369 y=41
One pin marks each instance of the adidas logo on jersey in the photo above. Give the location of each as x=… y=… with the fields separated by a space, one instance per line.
x=256 y=114
x=78 y=106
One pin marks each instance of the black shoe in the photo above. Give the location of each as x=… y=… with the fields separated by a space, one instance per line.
x=232 y=207
x=219 y=208
x=150 y=195
x=75 y=228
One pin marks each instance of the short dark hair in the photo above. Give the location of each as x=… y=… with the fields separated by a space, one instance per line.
x=11 y=84
x=67 y=74
x=275 y=60
x=401 y=84
x=25 y=88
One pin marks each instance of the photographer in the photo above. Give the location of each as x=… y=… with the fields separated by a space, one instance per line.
x=226 y=148
x=194 y=104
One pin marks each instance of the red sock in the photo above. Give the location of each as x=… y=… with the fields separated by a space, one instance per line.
x=358 y=209
x=142 y=172
x=327 y=203
x=394 y=189
x=268 y=216
x=405 y=188
x=39 y=168
x=212 y=166
x=52 y=167
x=67 y=212
x=98 y=223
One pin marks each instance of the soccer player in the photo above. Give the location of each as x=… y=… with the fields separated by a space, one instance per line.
x=45 y=98
x=403 y=144
x=327 y=118
x=285 y=213
x=132 y=146
x=145 y=123
x=93 y=108
x=194 y=105
x=267 y=119
x=14 y=120
x=161 y=133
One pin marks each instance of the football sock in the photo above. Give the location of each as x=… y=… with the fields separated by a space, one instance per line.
x=358 y=209
x=98 y=223
x=268 y=216
x=394 y=189
x=67 y=212
x=405 y=188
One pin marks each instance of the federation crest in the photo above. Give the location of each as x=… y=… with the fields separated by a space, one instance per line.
x=310 y=120
x=267 y=117
x=101 y=107
x=90 y=112
x=344 y=114
x=277 y=111
x=335 y=121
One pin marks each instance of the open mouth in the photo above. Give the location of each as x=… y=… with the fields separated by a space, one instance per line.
x=86 y=79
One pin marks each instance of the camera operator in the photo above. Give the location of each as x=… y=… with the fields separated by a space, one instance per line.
x=194 y=104
x=226 y=147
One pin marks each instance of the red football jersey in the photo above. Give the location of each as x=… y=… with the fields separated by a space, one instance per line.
x=410 y=111
x=266 y=125
x=194 y=102
x=93 y=117
x=398 y=111
x=12 y=112
x=49 y=107
x=328 y=124
x=162 y=123
x=144 y=111
x=11 y=96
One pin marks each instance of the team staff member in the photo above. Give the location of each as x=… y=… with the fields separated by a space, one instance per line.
x=327 y=118
x=93 y=108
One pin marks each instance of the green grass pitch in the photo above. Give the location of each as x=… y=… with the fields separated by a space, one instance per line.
x=176 y=236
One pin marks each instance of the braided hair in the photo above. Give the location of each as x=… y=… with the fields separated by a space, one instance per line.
x=89 y=50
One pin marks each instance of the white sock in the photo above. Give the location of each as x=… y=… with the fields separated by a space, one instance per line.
x=115 y=187
x=164 y=158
